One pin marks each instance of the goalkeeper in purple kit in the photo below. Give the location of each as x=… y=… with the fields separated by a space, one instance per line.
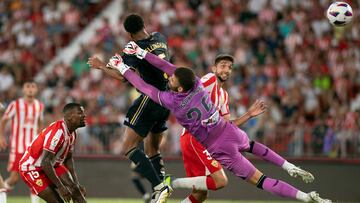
x=192 y=107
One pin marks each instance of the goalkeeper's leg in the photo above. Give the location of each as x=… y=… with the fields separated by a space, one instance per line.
x=269 y=155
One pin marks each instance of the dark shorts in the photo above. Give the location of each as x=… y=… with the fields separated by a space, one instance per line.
x=145 y=116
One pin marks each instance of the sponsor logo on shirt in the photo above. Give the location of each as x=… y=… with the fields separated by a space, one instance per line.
x=54 y=142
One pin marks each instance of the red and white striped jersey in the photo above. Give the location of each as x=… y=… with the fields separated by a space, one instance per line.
x=25 y=118
x=218 y=95
x=56 y=139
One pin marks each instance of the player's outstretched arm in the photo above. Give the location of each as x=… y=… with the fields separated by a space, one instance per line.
x=117 y=63
x=255 y=109
x=96 y=63
x=132 y=48
x=46 y=166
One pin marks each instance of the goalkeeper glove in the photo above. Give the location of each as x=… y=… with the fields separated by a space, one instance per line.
x=132 y=48
x=117 y=63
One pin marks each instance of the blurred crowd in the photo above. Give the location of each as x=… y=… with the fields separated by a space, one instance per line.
x=286 y=53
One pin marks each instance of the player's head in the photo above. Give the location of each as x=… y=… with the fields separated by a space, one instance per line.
x=223 y=66
x=30 y=89
x=133 y=24
x=182 y=80
x=74 y=114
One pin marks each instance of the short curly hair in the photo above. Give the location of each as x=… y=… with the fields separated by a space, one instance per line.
x=133 y=23
x=186 y=77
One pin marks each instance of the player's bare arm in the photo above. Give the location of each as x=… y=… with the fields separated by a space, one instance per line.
x=3 y=143
x=96 y=63
x=255 y=109
x=75 y=186
x=47 y=167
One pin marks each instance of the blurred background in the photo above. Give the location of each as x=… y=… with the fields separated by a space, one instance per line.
x=286 y=53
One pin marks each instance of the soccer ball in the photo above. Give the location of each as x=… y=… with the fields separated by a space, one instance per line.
x=339 y=13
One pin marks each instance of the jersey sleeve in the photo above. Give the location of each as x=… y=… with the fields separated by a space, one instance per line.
x=10 y=110
x=224 y=110
x=54 y=139
x=208 y=79
x=166 y=99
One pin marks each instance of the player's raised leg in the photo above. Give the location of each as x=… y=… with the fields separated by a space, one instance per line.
x=269 y=155
x=283 y=189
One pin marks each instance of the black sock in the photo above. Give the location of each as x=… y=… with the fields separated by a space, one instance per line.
x=139 y=186
x=158 y=164
x=144 y=166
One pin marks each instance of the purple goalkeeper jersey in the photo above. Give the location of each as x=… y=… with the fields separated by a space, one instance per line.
x=195 y=111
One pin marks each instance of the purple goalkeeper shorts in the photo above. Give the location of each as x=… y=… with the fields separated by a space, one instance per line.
x=227 y=150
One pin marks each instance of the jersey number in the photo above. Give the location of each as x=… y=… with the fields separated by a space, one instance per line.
x=33 y=175
x=195 y=112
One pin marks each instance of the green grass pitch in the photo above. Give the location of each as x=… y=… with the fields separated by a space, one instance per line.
x=106 y=200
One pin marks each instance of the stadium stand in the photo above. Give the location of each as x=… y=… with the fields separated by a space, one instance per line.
x=286 y=53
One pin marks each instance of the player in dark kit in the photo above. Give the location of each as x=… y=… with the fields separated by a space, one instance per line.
x=145 y=118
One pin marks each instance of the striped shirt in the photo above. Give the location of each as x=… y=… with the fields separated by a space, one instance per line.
x=56 y=139
x=219 y=96
x=25 y=118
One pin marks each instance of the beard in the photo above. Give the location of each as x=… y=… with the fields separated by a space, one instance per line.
x=175 y=89
x=82 y=124
x=220 y=79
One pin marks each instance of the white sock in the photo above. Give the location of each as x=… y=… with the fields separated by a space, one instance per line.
x=2 y=197
x=187 y=200
x=287 y=166
x=198 y=183
x=34 y=198
x=300 y=195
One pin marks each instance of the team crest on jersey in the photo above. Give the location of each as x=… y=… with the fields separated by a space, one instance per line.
x=214 y=163
x=39 y=182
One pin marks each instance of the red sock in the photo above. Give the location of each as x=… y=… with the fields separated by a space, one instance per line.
x=192 y=199
x=210 y=183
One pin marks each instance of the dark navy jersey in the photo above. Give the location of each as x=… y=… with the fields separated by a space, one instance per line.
x=157 y=45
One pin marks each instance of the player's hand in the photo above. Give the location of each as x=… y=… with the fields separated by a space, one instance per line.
x=257 y=108
x=95 y=62
x=3 y=143
x=132 y=48
x=64 y=193
x=117 y=63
